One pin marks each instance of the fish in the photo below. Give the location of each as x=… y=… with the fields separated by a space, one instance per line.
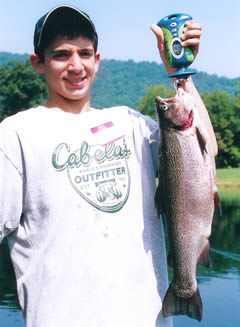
x=186 y=197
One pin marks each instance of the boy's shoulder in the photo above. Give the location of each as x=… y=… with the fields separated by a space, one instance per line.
x=20 y=118
x=17 y=116
x=136 y=119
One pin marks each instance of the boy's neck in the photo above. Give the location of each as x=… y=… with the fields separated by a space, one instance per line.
x=71 y=106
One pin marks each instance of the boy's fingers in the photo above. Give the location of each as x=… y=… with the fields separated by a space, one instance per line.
x=192 y=30
x=191 y=34
x=193 y=25
x=191 y=42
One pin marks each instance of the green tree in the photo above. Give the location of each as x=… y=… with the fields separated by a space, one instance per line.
x=146 y=105
x=237 y=92
x=20 y=88
x=225 y=115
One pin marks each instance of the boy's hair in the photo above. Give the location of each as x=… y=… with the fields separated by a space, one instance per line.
x=63 y=21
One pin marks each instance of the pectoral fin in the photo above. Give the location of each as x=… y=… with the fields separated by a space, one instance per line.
x=201 y=140
x=158 y=201
x=217 y=204
x=204 y=258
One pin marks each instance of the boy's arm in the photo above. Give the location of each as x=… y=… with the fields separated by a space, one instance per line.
x=203 y=113
x=11 y=183
x=191 y=37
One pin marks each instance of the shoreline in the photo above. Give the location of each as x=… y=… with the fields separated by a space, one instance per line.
x=228 y=178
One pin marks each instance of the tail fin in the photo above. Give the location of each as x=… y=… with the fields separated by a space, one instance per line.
x=174 y=305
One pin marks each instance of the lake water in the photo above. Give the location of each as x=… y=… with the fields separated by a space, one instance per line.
x=219 y=286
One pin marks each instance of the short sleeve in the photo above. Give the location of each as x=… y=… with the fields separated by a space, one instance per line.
x=150 y=133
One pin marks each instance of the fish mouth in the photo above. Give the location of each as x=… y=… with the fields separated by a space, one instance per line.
x=188 y=124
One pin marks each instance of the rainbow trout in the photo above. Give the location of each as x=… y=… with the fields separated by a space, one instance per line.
x=187 y=197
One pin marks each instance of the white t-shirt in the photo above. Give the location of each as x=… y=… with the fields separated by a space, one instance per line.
x=77 y=205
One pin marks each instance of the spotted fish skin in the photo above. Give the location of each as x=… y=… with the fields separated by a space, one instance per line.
x=187 y=197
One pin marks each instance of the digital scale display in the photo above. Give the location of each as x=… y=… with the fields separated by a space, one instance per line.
x=177 y=48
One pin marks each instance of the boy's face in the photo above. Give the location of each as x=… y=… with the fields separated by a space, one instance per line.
x=70 y=67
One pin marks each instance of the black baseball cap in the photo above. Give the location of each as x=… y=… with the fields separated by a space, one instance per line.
x=58 y=15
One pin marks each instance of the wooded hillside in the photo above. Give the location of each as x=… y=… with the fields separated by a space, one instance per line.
x=135 y=85
x=124 y=82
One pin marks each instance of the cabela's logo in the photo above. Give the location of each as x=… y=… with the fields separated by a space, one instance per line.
x=99 y=173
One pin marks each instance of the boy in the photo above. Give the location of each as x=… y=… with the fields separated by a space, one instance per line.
x=77 y=191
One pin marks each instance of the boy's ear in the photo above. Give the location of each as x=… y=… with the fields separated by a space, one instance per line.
x=97 y=61
x=37 y=64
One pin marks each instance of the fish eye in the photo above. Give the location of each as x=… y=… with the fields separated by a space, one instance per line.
x=164 y=107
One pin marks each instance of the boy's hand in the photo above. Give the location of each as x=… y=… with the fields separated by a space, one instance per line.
x=191 y=37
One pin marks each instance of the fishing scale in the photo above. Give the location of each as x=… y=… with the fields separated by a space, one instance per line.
x=177 y=56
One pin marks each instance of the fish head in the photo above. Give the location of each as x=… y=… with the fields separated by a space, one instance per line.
x=175 y=112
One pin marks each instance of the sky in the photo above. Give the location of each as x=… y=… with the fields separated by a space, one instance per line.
x=124 y=31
